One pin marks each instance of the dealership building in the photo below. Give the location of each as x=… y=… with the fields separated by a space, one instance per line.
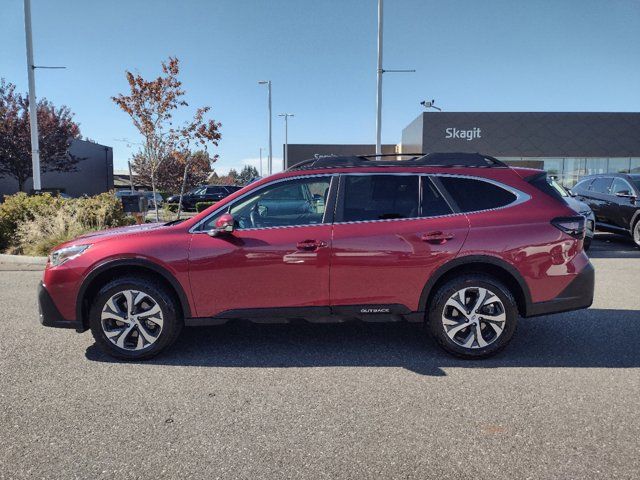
x=568 y=145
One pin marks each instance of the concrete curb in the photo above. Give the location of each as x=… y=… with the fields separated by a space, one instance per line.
x=22 y=260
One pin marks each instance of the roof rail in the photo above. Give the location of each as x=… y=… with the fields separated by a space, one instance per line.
x=417 y=160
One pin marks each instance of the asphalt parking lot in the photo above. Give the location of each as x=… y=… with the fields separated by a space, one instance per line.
x=329 y=401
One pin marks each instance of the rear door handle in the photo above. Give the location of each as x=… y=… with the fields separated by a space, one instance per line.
x=437 y=238
x=309 y=245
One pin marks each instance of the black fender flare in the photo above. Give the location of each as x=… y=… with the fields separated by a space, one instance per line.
x=475 y=259
x=131 y=262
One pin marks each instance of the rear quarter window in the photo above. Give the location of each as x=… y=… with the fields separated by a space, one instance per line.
x=473 y=195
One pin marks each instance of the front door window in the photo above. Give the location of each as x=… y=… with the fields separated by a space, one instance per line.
x=289 y=203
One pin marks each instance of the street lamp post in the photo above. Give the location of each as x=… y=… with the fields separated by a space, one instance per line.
x=380 y=71
x=270 y=160
x=286 y=137
x=33 y=116
x=261 y=161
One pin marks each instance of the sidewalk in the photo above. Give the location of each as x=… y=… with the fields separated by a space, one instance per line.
x=18 y=263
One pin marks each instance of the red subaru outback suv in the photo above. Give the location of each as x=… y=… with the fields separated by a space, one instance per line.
x=461 y=242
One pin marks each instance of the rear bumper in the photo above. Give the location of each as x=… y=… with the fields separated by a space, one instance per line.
x=50 y=316
x=577 y=295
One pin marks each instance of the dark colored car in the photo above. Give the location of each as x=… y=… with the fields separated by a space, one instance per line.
x=581 y=208
x=460 y=242
x=153 y=201
x=207 y=193
x=613 y=197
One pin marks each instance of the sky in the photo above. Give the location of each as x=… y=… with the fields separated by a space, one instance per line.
x=469 y=55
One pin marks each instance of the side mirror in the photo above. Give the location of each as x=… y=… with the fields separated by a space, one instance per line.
x=224 y=225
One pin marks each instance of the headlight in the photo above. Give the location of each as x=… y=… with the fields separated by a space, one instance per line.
x=58 y=257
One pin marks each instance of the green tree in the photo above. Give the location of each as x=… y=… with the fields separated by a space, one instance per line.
x=248 y=173
x=152 y=104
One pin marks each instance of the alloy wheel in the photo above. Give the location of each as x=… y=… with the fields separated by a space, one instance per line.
x=132 y=320
x=474 y=317
x=636 y=233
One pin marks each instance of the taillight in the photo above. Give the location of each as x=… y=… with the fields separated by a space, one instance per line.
x=573 y=226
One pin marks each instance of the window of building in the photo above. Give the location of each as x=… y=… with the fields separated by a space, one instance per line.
x=618 y=165
x=596 y=165
x=380 y=197
x=473 y=195
x=601 y=185
x=574 y=169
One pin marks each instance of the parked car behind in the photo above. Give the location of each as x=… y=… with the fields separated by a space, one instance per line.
x=460 y=242
x=613 y=197
x=153 y=201
x=581 y=208
x=207 y=193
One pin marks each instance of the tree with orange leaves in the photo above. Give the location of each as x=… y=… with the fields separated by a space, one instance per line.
x=152 y=104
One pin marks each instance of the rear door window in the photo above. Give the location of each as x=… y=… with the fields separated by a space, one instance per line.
x=473 y=195
x=380 y=197
x=601 y=185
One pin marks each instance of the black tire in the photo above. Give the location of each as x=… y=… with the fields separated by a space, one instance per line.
x=587 y=243
x=473 y=281
x=172 y=321
x=635 y=232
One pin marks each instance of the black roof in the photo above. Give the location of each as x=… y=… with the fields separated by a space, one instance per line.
x=414 y=160
x=612 y=174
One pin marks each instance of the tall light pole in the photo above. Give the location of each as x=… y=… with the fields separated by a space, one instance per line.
x=33 y=116
x=286 y=137
x=261 y=161
x=380 y=71
x=379 y=84
x=270 y=161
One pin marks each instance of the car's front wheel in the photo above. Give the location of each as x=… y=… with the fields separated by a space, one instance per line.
x=134 y=318
x=473 y=316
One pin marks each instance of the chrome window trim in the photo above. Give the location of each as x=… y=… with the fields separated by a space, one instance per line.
x=331 y=176
x=521 y=197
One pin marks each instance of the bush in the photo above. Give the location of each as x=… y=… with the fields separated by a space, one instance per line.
x=21 y=208
x=33 y=225
x=200 y=206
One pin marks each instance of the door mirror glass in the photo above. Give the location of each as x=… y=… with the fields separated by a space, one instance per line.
x=224 y=225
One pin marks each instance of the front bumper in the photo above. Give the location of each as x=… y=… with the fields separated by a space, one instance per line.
x=50 y=315
x=577 y=295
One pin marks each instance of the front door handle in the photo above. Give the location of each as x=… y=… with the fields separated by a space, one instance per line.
x=309 y=245
x=437 y=238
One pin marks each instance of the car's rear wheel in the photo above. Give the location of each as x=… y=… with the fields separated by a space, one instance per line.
x=636 y=233
x=473 y=316
x=134 y=318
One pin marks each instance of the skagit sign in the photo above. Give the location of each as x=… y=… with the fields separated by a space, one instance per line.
x=469 y=134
